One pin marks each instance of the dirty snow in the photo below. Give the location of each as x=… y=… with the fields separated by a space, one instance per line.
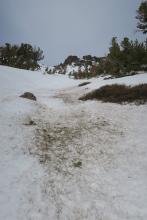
x=81 y=160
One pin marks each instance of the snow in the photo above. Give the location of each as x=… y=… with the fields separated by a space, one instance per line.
x=71 y=69
x=11 y=81
x=128 y=80
x=38 y=179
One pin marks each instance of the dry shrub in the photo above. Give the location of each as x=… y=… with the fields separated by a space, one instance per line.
x=119 y=94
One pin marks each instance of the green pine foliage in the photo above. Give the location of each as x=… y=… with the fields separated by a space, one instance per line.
x=124 y=57
x=24 y=56
x=142 y=17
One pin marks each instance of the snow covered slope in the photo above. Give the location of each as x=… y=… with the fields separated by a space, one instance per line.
x=128 y=80
x=80 y=160
x=19 y=173
x=14 y=81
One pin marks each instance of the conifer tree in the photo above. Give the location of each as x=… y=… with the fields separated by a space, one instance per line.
x=142 y=17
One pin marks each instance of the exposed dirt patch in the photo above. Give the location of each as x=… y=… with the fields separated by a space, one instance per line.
x=63 y=137
x=73 y=144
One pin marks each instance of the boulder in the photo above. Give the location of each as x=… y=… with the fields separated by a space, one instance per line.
x=29 y=95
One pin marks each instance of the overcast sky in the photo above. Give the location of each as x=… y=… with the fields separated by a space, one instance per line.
x=68 y=27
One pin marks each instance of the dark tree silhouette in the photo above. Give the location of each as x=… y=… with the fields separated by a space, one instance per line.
x=142 y=17
x=23 y=56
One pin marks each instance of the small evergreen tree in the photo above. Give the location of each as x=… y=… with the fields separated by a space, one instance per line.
x=114 y=50
x=113 y=62
x=142 y=17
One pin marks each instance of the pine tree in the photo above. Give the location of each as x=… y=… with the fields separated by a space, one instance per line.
x=23 y=56
x=114 y=50
x=142 y=17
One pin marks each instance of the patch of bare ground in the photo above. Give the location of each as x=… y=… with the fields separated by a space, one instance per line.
x=70 y=143
x=64 y=137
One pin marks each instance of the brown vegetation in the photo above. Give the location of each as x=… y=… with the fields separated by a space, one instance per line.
x=119 y=94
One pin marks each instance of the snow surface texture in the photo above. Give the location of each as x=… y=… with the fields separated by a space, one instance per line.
x=80 y=160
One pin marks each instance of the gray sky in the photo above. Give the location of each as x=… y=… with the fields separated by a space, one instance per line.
x=68 y=27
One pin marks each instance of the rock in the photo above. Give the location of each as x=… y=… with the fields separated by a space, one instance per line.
x=77 y=164
x=84 y=84
x=31 y=122
x=29 y=95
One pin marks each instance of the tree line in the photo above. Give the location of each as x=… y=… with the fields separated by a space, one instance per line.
x=128 y=55
x=23 y=56
x=124 y=57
